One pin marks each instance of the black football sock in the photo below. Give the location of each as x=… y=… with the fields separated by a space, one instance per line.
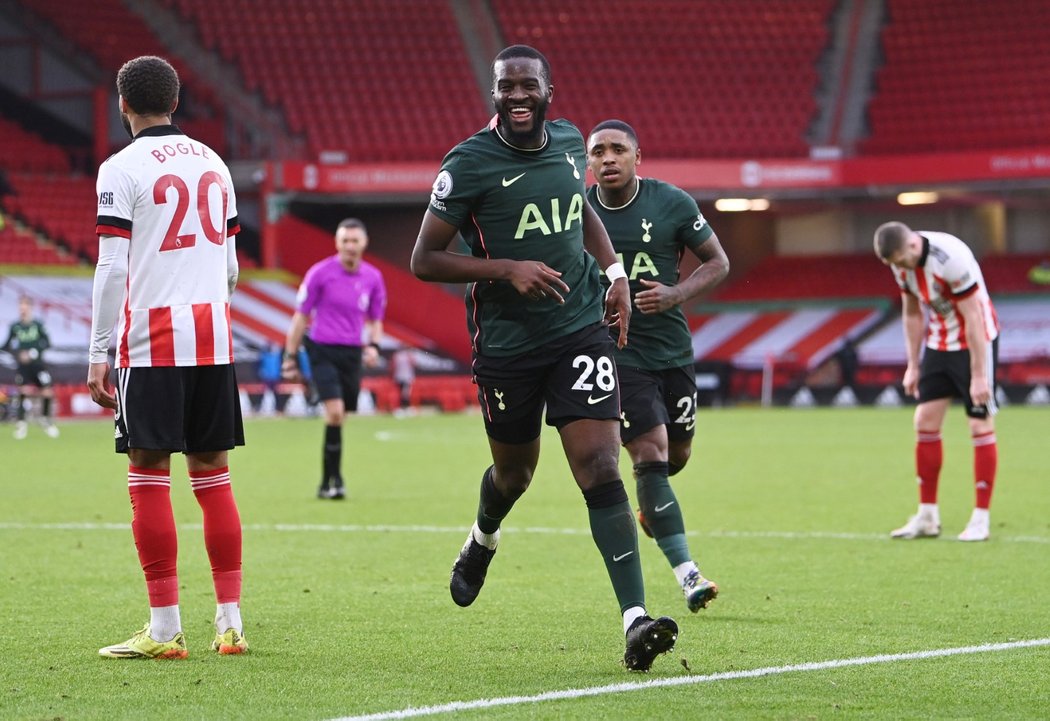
x=662 y=513
x=20 y=409
x=493 y=505
x=45 y=408
x=333 y=453
x=616 y=536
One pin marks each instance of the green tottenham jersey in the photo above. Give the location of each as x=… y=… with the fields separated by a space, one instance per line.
x=650 y=234
x=523 y=205
x=29 y=336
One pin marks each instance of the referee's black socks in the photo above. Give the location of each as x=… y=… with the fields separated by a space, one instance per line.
x=333 y=453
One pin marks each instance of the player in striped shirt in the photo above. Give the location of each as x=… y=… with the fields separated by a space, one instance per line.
x=167 y=266
x=938 y=273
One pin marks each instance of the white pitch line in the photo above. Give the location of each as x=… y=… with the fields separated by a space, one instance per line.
x=538 y=530
x=627 y=687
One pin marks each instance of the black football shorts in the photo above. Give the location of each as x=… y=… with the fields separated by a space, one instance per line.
x=946 y=374
x=573 y=376
x=32 y=374
x=193 y=409
x=657 y=398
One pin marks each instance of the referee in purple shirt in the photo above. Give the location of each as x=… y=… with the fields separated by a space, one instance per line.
x=342 y=299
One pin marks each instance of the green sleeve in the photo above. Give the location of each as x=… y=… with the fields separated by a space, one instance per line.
x=455 y=192
x=693 y=230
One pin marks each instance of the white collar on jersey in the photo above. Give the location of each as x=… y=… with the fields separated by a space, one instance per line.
x=637 y=188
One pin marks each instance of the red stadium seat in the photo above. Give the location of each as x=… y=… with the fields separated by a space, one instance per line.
x=736 y=88
x=60 y=206
x=370 y=54
x=941 y=84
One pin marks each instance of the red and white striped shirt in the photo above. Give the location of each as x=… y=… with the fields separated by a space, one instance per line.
x=947 y=273
x=171 y=197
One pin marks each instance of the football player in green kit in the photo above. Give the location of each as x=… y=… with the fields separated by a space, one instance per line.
x=651 y=225
x=515 y=191
x=26 y=341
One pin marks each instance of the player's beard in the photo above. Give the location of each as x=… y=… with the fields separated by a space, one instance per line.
x=126 y=122
x=524 y=140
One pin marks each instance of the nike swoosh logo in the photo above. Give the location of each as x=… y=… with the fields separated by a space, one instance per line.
x=622 y=556
x=512 y=181
x=591 y=400
x=663 y=507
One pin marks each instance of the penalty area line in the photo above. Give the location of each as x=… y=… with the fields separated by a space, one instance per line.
x=628 y=687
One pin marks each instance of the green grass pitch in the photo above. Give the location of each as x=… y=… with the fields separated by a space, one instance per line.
x=347 y=608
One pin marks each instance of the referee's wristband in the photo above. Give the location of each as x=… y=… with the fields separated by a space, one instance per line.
x=373 y=345
x=290 y=356
x=615 y=271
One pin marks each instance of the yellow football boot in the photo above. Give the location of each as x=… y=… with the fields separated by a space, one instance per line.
x=142 y=646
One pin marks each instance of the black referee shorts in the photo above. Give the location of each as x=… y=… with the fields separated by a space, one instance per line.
x=336 y=371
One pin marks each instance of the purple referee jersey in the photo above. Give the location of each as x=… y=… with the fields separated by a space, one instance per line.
x=341 y=300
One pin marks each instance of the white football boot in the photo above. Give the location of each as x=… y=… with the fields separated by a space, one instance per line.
x=978 y=529
x=924 y=524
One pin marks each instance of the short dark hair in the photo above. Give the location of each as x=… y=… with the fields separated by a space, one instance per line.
x=523 y=51
x=614 y=124
x=149 y=85
x=890 y=237
x=351 y=223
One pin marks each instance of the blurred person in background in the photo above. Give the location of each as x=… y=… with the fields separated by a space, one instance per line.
x=343 y=300
x=26 y=342
x=403 y=371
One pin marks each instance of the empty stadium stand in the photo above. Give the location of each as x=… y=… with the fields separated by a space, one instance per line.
x=24 y=151
x=61 y=206
x=393 y=80
x=22 y=247
x=1013 y=273
x=710 y=78
x=811 y=276
x=985 y=89
x=109 y=33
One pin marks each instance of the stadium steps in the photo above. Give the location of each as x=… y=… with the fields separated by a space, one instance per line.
x=108 y=34
x=269 y=133
x=367 y=104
